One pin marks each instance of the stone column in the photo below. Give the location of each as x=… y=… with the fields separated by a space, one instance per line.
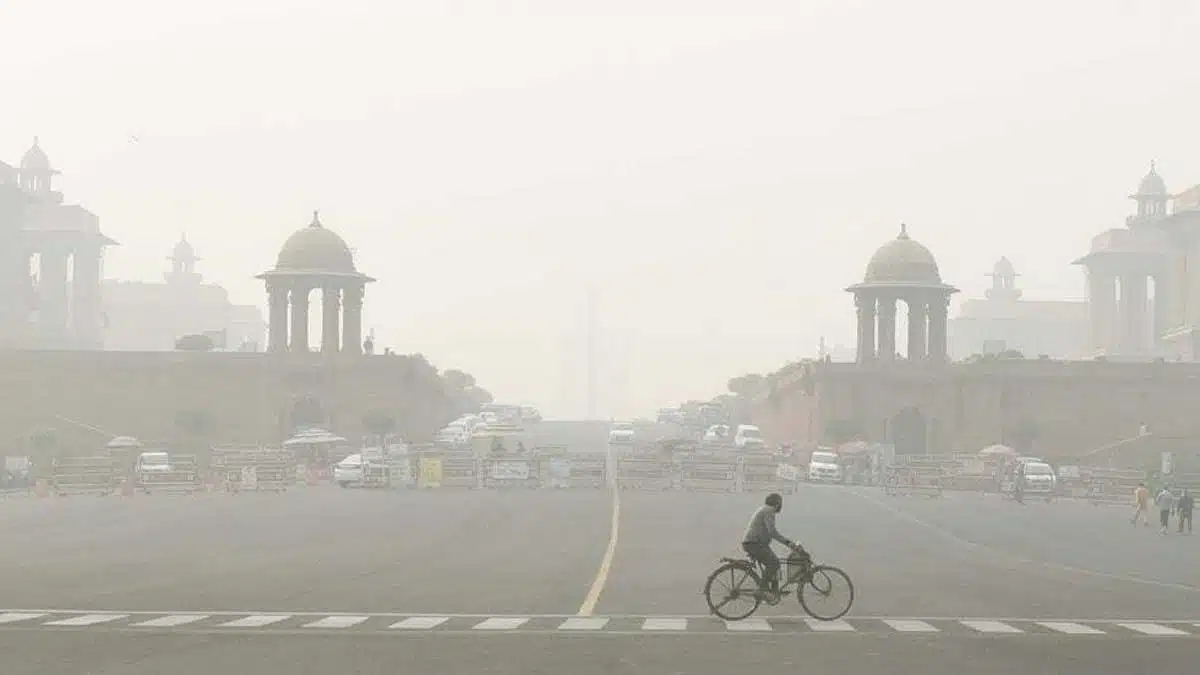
x=52 y=295
x=277 y=301
x=866 y=326
x=300 y=294
x=85 y=297
x=917 y=328
x=1134 y=302
x=887 y=329
x=330 y=320
x=1163 y=304
x=938 y=311
x=352 y=303
x=1101 y=310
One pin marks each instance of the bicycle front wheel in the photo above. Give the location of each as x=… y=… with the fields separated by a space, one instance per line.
x=827 y=593
x=732 y=592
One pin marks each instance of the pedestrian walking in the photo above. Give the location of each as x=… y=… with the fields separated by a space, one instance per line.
x=1184 y=510
x=1165 y=501
x=1141 y=499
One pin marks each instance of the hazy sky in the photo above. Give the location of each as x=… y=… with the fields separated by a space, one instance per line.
x=717 y=171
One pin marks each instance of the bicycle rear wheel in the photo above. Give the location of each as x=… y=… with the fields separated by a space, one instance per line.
x=729 y=584
x=826 y=594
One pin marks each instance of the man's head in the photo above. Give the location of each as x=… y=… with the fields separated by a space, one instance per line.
x=775 y=500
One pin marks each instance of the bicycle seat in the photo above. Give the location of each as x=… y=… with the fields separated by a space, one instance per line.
x=737 y=560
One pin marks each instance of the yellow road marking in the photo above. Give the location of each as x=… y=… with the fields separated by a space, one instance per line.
x=593 y=596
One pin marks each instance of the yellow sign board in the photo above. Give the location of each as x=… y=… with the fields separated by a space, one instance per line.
x=431 y=472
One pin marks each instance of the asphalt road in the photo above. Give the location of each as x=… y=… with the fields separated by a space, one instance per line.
x=323 y=579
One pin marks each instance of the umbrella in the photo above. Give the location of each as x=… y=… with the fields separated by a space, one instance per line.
x=123 y=442
x=313 y=437
x=997 y=450
x=853 y=448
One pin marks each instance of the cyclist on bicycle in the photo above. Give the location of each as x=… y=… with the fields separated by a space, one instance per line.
x=757 y=542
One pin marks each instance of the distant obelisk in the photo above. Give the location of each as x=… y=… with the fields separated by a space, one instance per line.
x=591 y=353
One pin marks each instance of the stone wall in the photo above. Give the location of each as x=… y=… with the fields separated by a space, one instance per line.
x=250 y=396
x=1076 y=406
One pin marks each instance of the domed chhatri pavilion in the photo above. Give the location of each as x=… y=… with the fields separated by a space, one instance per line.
x=314 y=258
x=902 y=270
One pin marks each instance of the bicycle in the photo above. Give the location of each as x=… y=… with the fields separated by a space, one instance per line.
x=802 y=574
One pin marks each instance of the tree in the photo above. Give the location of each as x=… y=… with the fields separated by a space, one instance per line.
x=380 y=424
x=746 y=385
x=43 y=443
x=843 y=430
x=195 y=423
x=457 y=380
x=307 y=411
x=197 y=342
x=1022 y=434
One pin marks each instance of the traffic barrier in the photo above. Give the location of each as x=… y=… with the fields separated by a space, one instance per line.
x=376 y=474
x=510 y=472
x=906 y=481
x=575 y=470
x=400 y=471
x=709 y=474
x=83 y=475
x=182 y=475
x=258 y=470
x=1111 y=486
x=643 y=473
x=763 y=473
x=449 y=469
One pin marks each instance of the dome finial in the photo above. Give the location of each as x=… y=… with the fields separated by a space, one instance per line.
x=903 y=231
x=1153 y=167
x=35 y=141
x=316 y=221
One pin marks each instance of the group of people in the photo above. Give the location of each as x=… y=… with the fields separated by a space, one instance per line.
x=1167 y=502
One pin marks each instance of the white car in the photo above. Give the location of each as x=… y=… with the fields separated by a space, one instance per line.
x=823 y=467
x=621 y=433
x=349 y=471
x=1039 y=477
x=748 y=437
x=717 y=433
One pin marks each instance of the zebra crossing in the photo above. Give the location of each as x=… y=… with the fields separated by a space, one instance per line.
x=235 y=622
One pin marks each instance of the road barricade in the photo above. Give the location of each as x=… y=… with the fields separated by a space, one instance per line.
x=644 y=473
x=401 y=472
x=762 y=473
x=84 y=475
x=1113 y=487
x=563 y=470
x=908 y=481
x=709 y=474
x=376 y=474
x=440 y=469
x=257 y=470
x=499 y=472
x=182 y=475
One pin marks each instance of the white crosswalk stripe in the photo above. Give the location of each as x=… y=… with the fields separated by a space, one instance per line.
x=86 y=620
x=991 y=626
x=1152 y=629
x=1070 y=628
x=420 y=622
x=256 y=621
x=751 y=624
x=910 y=626
x=14 y=617
x=664 y=623
x=942 y=627
x=171 y=620
x=339 y=621
x=501 y=623
x=584 y=623
x=838 y=626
